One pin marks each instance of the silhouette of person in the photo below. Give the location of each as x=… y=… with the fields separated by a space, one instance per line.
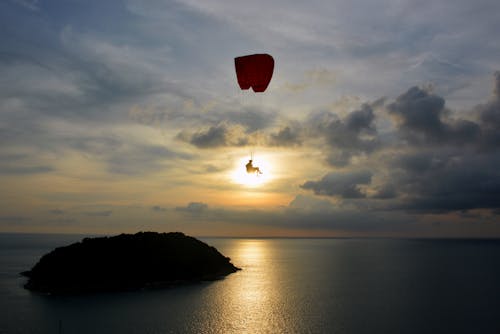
x=251 y=168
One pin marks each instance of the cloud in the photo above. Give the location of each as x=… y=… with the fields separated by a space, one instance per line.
x=356 y=133
x=303 y=212
x=193 y=208
x=190 y=114
x=313 y=78
x=443 y=182
x=98 y=145
x=310 y=204
x=14 y=219
x=142 y=159
x=386 y=191
x=22 y=170
x=489 y=115
x=21 y=164
x=431 y=162
x=110 y=72
x=457 y=168
x=122 y=154
x=212 y=169
x=286 y=137
x=420 y=117
x=104 y=213
x=215 y=136
x=158 y=208
x=212 y=137
x=251 y=119
x=342 y=184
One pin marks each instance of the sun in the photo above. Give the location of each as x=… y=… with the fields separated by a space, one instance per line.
x=239 y=174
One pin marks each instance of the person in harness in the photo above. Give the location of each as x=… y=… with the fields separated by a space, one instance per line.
x=251 y=168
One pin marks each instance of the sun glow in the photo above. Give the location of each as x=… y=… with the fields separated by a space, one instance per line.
x=240 y=175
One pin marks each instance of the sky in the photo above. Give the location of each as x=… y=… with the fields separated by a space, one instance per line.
x=382 y=118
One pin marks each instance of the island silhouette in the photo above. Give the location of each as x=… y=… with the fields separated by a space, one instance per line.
x=127 y=262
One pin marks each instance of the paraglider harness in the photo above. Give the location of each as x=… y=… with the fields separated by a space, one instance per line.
x=251 y=168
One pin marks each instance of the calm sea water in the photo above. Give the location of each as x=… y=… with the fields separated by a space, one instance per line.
x=286 y=286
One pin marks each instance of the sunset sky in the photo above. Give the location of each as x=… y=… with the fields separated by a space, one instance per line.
x=382 y=118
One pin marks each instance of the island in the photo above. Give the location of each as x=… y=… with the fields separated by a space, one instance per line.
x=127 y=262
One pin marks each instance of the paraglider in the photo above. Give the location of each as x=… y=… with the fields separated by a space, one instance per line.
x=254 y=71
x=251 y=169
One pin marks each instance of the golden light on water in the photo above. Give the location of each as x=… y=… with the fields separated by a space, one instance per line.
x=251 y=295
x=251 y=252
x=240 y=176
x=260 y=298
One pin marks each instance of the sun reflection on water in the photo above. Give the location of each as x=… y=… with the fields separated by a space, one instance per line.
x=251 y=251
x=257 y=299
x=249 y=305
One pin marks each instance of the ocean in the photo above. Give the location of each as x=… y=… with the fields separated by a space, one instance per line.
x=286 y=286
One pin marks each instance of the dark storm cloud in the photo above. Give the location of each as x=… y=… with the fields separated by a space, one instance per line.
x=450 y=172
x=489 y=115
x=345 y=185
x=346 y=133
x=458 y=168
x=359 y=120
x=417 y=162
x=215 y=136
x=418 y=110
x=286 y=136
x=229 y=128
x=354 y=134
x=448 y=181
x=387 y=191
x=339 y=158
x=431 y=162
x=421 y=119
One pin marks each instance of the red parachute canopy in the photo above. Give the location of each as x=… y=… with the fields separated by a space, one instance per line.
x=254 y=71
